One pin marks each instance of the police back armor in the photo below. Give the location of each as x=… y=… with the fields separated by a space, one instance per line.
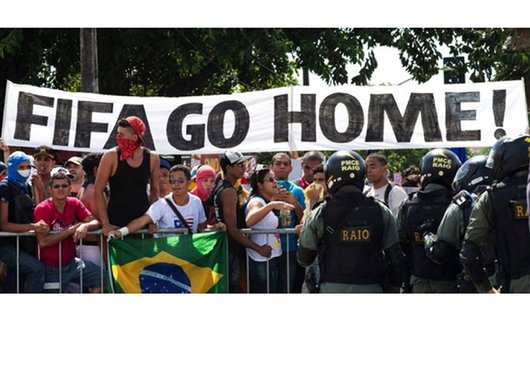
x=465 y=201
x=510 y=220
x=427 y=206
x=352 y=238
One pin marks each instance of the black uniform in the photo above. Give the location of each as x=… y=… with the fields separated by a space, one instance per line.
x=502 y=210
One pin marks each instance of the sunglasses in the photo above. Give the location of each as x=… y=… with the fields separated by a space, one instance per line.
x=240 y=164
x=270 y=179
x=60 y=186
x=176 y=180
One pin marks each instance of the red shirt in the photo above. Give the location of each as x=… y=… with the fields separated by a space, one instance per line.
x=74 y=212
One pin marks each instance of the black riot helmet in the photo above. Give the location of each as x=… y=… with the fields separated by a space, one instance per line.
x=473 y=175
x=344 y=168
x=439 y=166
x=509 y=155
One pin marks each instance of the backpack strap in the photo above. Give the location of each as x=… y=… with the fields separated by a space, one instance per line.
x=179 y=215
x=387 y=192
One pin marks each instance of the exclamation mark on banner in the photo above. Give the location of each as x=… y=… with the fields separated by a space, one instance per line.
x=499 y=108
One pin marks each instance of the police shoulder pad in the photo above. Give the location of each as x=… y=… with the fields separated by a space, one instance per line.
x=463 y=198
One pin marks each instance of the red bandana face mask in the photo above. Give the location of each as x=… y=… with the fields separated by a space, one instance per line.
x=127 y=147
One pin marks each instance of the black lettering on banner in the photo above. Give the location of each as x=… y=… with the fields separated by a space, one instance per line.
x=63 y=118
x=174 y=128
x=327 y=117
x=132 y=110
x=85 y=125
x=25 y=115
x=499 y=109
x=216 y=122
x=403 y=126
x=454 y=114
x=283 y=117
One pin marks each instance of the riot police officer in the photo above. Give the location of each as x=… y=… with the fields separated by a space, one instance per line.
x=349 y=232
x=503 y=210
x=528 y=196
x=423 y=213
x=471 y=180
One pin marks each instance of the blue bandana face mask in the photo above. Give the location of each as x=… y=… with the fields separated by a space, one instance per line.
x=14 y=175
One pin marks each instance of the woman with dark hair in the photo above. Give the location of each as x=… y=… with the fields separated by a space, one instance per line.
x=267 y=274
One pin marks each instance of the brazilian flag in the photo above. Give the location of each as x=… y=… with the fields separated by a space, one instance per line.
x=194 y=263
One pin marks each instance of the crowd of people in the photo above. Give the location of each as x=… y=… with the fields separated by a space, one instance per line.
x=447 y=227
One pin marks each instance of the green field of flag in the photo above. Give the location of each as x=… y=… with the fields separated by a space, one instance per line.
x=178 y=264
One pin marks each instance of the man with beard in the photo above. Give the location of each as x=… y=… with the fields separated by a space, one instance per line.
x=75 y=168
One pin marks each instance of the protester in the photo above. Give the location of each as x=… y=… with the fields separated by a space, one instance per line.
x=6 y=151
x=349 y=232
x=205 y=183
x=16 y=215
x=230 y=211
x=310 y=160
x=267 y=274
x=90 y=249
x=71 y=220
x=381 y=188
x=316 y=191
x=165 y=187
x=90 y=163
x=3 y=171
x=75 y=168
x=411 y=180
x=180 y=209
x=44 y=161
x=502 y=210
x=127 y=169
x=423 y=213
x=193 y=174
x=281 y=166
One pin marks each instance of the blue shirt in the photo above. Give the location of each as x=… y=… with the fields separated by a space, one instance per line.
x=300 y=197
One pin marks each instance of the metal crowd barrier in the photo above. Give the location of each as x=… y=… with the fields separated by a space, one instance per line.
x=103 y=245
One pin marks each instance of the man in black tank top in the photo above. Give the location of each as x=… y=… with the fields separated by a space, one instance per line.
x=127 y=169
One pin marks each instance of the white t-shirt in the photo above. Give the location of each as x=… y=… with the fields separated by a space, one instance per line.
x=396 y=196
x=164 y=217
x=270 y=221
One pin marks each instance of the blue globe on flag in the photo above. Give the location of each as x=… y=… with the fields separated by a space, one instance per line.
x=164 y=278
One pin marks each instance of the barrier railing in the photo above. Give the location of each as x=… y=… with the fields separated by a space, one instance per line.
x=54 y=286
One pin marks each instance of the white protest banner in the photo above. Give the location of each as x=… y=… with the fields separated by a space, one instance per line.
x=281 y=119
